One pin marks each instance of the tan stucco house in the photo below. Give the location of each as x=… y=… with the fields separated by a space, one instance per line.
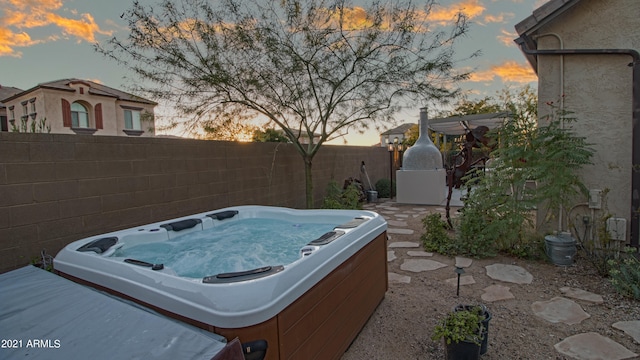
x=585 y=53
x=74 y=106
x=5 y=92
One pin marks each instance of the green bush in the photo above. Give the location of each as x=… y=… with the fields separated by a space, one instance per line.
x=462 y=325
x=436 y=237
x=383 y=187
x=501 y=212
x=624 y=274
x=336 y=198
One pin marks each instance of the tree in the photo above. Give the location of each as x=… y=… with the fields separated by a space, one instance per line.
x=227 y=130
x=308 y=66
x=470 y=107
x=269 y=135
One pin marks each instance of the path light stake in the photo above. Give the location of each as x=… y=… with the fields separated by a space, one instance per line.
x=459 y=271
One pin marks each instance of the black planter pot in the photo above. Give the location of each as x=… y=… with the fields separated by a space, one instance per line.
x=485 y=324
x=462 y=350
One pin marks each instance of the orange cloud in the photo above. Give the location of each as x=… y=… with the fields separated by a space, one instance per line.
x=9 y=38
x=21 y=15
x=506 y=37
x=443 y=15
x=500 y=18
x=84 y=29
x=509 y=71
x=356 y=17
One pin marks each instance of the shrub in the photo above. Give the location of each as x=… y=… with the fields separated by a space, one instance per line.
x=383 y=187
x=336 y=198
x=500 y=212
x=461 y=325
x=624 y=274
x=436 y=237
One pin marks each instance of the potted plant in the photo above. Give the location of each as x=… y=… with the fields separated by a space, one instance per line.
x=462 y=332
x=485 y=315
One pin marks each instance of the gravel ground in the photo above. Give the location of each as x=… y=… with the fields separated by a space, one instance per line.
x=402 y=325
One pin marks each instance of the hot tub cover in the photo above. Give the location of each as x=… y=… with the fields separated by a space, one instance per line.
x=44 y=316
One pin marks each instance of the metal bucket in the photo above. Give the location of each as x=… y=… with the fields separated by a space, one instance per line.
x=372 y=196
x=560 y=248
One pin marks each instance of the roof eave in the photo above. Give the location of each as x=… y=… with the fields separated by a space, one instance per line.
x=541 y=16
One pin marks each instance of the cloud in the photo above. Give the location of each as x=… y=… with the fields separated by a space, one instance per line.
x=20 y=16
x=500 y=18
x=9 y=39
x=509 y=71
x=506 y=37
x=443 y=15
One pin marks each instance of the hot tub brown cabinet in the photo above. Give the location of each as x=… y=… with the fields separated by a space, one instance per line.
x=323 y=322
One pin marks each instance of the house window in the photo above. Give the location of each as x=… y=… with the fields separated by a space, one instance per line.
x=33 y=105
x=132 y=120
x=25 y=109
x=79 y=116
x=12 y=113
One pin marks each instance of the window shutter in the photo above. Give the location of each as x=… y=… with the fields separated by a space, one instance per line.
x=66 y=113
x=98 y=109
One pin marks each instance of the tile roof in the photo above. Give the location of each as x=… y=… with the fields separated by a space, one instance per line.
x=6 y=92
x=94 y=88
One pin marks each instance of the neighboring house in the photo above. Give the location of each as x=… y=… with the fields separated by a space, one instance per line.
x=585 y=53
x=81 y=107
x=5 y=92
x=399 y=133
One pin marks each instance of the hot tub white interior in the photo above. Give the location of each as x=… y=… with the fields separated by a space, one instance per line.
x=232 y=299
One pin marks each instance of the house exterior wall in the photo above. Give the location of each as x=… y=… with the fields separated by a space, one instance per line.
x=597 y=89
x=58 y=188
x=49 y=105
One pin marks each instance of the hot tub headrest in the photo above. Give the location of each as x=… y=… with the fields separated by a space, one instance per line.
x=327 y=238
x=100 y=245
x=181 y=225
x=353 y=223
x=223 y=214
x=242 y=275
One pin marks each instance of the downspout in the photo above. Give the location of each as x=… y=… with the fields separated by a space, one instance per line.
x=635 y=152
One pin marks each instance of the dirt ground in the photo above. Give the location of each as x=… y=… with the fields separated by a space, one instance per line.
x=402 y=325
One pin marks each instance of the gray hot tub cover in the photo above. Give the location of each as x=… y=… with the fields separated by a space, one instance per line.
x=44 y=316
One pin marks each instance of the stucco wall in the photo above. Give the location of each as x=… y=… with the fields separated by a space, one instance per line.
x=596 y=88
x=49 y=105
x=55 y=189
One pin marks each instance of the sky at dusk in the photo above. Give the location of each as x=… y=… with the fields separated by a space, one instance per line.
x=46 y=40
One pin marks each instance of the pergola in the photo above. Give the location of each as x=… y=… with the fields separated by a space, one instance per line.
x=460 y=125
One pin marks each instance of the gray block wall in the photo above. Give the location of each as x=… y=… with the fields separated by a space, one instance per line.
x=55 y=189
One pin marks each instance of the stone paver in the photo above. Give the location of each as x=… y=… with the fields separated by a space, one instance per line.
x=419 y=265
x=559 y=309
x=464 y=280
x=391 y=255
x=402 y=215
x=404 y=244
x=582 y=295
x=419 y=253
x=397 y=278
x=462 y=262
x=631 y=328
x=509 y=273
x=592 y=346
x=396 y=223
x=400 y=231
x=496 y=293
x=391 y=208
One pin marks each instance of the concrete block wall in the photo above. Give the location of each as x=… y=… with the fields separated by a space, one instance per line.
x=55 y=189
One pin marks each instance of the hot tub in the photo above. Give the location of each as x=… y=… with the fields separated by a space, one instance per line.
x=309 y=304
